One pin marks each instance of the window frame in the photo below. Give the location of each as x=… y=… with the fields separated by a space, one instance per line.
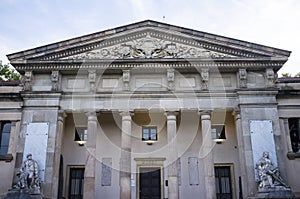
x=294 y=154
x=5 y=157
x=68 y=177
x=149 y=128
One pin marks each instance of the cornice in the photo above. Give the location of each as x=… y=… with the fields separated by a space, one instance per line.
x=220 y=64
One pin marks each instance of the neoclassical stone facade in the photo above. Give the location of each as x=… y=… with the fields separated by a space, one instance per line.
x=150 y=109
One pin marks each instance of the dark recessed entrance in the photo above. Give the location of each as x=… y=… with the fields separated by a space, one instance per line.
x=150 y=187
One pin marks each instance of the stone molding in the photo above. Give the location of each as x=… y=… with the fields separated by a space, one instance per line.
x=222 y=64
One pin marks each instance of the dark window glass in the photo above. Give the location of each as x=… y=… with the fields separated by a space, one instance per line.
x=294 y=133
x=4 y=137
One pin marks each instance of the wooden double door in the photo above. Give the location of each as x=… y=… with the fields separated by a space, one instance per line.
x=150 y=183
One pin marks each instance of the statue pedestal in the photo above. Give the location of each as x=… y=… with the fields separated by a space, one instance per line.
x=276 y=192
x=22 y=194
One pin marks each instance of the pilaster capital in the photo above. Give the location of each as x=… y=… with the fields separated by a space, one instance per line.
x=237 y=114
x=61 y=115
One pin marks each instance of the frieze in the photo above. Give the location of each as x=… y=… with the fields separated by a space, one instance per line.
x=149 y=47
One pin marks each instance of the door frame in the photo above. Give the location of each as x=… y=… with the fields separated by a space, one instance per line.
x=149 y=163
x=232 y=176
x=69 y=167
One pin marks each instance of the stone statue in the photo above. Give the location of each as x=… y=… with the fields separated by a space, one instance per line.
x=28 y=175
x=268 y=174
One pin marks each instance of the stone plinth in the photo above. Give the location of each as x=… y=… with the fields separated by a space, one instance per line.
x=276 y=192
x=22 y=194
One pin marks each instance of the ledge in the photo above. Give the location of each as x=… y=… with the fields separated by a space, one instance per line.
x=6 y=158
x=293 y=156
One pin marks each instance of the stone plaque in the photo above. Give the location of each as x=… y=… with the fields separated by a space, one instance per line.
x=193 y=171
x=110 y=83
x=262 y=139
x=154 y=82
x=106 y=171
x=179 y=171
x=36 y=140
x=188 y=82
x=76 y=83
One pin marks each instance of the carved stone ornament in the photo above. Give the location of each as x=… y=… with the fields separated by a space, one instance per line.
x=92 y=80
x=270 y=77
x=55 y=79
x=126 y=79
x=243 y=78
x=26 y=80
x=171 y=78
x=149 y=47
x=204 y=78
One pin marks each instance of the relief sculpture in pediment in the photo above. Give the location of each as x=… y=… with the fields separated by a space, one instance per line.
x=149 y=47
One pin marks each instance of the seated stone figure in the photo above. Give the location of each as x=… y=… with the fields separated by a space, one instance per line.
x=268 y=174
x=28 y=175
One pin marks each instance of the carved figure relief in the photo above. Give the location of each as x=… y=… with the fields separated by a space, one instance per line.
x=149 y=47
x=28 y=176
x=268 y=174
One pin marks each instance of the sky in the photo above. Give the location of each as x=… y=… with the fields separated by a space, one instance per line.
x=25 y=24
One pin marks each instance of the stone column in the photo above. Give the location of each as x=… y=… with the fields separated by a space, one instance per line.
x=57 y=152
x=241 y=151
x=207 y=157
x=89 y=172
x=173 y=190
x=125 y=162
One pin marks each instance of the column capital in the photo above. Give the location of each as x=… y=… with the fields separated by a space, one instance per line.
x=171 y=115
x=204 y=112
x=126 y=115
x=92 y=115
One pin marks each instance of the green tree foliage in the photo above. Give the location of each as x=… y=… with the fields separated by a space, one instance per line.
x=297 y=75
x=286 y=75
x=7 y=72
x=290 y=75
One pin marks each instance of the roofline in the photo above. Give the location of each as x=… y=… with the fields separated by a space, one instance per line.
x=150 y=23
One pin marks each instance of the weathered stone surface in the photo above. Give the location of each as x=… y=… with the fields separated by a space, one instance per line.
x=22 y=194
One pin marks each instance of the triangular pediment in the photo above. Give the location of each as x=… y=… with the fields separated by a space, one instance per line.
x=147 y=40
x=148 y=44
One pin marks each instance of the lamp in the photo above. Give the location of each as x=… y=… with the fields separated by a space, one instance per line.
x=218 y=133
x=80 y=135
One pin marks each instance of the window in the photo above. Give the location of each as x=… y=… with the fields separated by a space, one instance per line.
x=149 y=133
x=4 y=137
x=218 y=133
x=76 y=182
x=80 y=135
x=295 y=134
